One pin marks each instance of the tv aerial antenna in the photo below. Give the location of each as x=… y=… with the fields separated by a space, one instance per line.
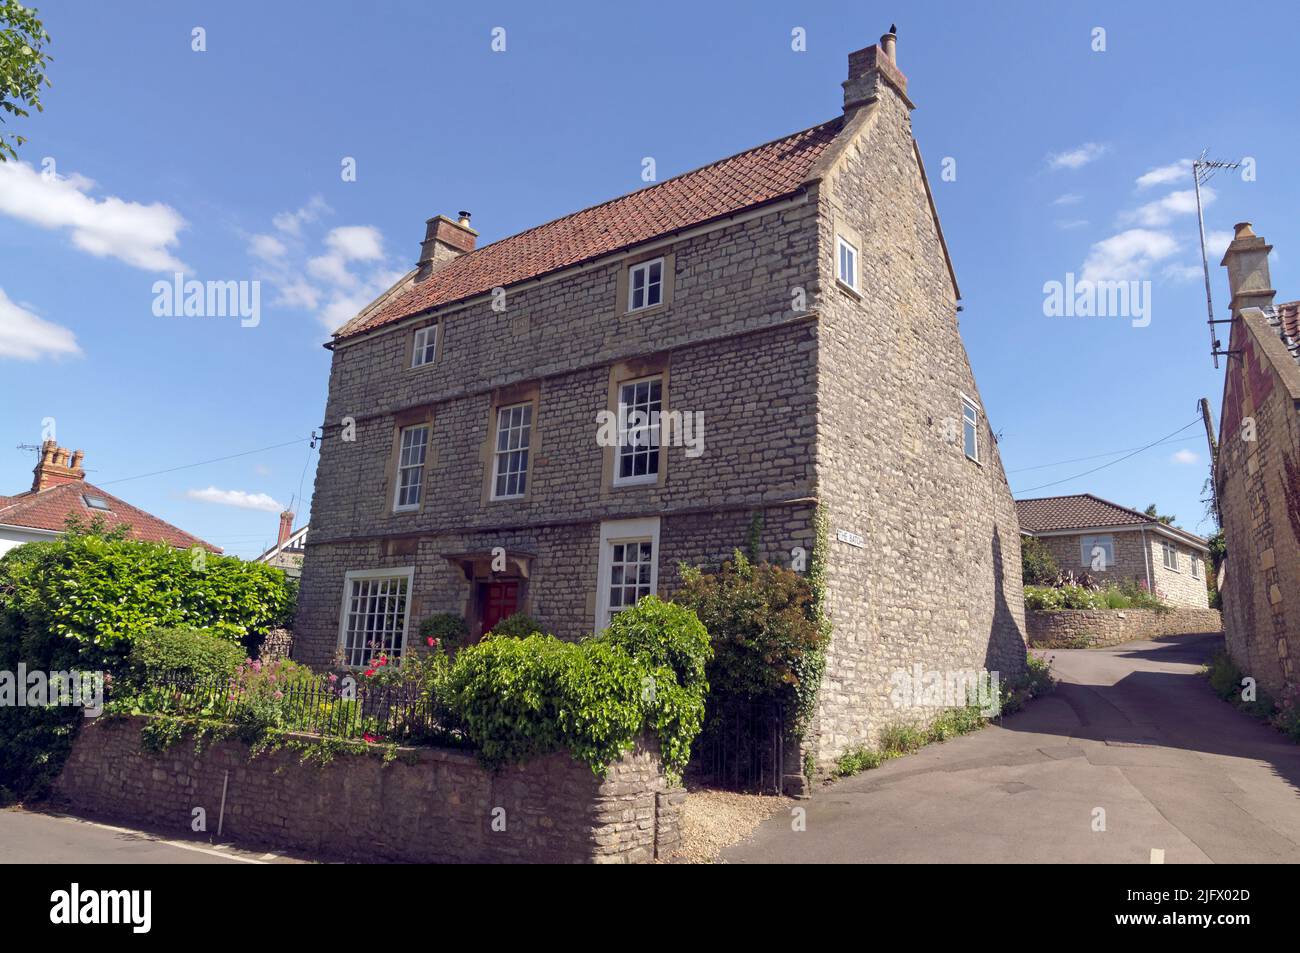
x=1203 y=170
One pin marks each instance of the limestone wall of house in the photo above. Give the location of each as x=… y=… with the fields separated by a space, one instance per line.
x=1259 y=495
x=429 y=805
x=938 y=579
x=1138 y=558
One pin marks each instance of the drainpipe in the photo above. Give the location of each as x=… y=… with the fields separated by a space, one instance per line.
x=1146 y=560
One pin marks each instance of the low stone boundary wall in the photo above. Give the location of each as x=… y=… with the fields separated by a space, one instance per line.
x=1092 y=628
x=430 y=805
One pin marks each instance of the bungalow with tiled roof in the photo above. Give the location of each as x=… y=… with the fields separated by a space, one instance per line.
x=1257 y=470
x=59 y=491
x=553 y=422
x=1112 y=543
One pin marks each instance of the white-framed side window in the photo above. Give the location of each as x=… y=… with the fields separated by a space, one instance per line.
x=425 y=348
x=1196 y=566
x=1170 y=553
x=374 y=620
x=628 y=567
x=1097 y=553
x=413 y=448
x=645 y=285
x=510 y=458
x=846 y=262
x=640 y=402
x=970 y=428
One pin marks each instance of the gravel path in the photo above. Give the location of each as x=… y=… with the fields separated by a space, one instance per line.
x=715 y=820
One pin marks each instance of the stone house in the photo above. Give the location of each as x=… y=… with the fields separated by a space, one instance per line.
x=1257 y=469
x=290 y=547
x=59 y=490
x=789 y=313
x=1114 y=544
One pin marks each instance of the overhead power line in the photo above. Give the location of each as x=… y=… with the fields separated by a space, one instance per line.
x=1095 y=456
x=202 y=463
x=1155 y=443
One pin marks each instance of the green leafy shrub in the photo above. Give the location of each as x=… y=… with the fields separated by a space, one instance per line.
x=1125 y=595
x=87 y=597
x=184 y=653
x=1037 y=564
x=517 y=626
x=762 y=623
x=664 y=634
x=1225 y=676
x=448 y=630
x=519 y=698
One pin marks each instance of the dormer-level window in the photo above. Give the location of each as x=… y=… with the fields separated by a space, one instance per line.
x=97 y=503
x=847 y=263
x=645 y=285
x=970 y=435
x=426 y=346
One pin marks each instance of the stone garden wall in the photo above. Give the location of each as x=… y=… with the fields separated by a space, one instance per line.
x=429 y=805
x=1092 y=628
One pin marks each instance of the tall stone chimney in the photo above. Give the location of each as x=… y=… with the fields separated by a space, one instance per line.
x=443 y=241
x=870 y=68
x=286 y=527
x=1247 y=262
x=57 y=467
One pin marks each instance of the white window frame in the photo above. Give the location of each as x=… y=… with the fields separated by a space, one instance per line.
x=842 y=244
x=1086 y=545
x=405 y=573
x=974 y=424
x=398 y=505
x=525 y=448
x=1196 y=566
x=424 y=346
x=653 y=432
x=643 y=268
x=612 y=533
x=1169 y=555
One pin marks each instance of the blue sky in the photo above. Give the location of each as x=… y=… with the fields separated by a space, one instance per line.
x=228 y=163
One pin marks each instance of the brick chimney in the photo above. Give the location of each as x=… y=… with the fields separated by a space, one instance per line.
x=872 y=67
x=443 y=241
x=1247 y=262
x=57 y=467
x=286 y=527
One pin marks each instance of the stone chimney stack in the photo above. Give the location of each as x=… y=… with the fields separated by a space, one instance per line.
x=870 y=68
x=1247 y=262
x=57 y=467
x=444 y=240
x=286 y=527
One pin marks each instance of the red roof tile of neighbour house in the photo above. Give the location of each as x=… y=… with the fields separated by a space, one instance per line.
x=1289 y=314
x=754 y=177
x=1081 y=511
x=50 y=508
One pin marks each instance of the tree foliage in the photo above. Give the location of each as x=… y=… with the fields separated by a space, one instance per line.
x=23 y=62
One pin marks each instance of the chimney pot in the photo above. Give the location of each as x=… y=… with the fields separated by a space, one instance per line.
x=889 y=43
x=286 y=527
x=464 y=219
x=1243 y=230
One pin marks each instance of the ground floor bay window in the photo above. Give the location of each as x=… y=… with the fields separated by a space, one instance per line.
x=628 y=569
x=374 y=617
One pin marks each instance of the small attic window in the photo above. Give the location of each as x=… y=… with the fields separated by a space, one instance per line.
x=97 y=503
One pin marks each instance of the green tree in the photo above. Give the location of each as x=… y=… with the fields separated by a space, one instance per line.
x=22 y=68
x=1155 y=515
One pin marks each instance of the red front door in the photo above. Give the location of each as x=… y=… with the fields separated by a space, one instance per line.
x=500 y=601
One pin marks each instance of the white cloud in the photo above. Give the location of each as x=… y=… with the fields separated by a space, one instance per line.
x=25 y=337
x=1182 y=272
x=1076 y=158
x=238 y=498
x=1072 y=223
x=346 y=244
x=1165 y=174
x=291 y=223
x=1216 y=243
x=267 y=247
x=140 y=235
x=1127 y=256
x=1185 y=457
x=1162 y=210
x=1069 y=198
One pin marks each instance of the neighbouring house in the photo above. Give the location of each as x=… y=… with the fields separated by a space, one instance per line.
x=788 y=315
x=289 y=549
x=59 y=490
x=1257 y=469
x=1112 y=543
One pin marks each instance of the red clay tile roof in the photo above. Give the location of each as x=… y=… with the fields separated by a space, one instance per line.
x=758 y=175
x=1289 y=314
x=1081 y=511
x=51 y=508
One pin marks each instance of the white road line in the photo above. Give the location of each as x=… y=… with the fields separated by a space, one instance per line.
x=217 y=851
